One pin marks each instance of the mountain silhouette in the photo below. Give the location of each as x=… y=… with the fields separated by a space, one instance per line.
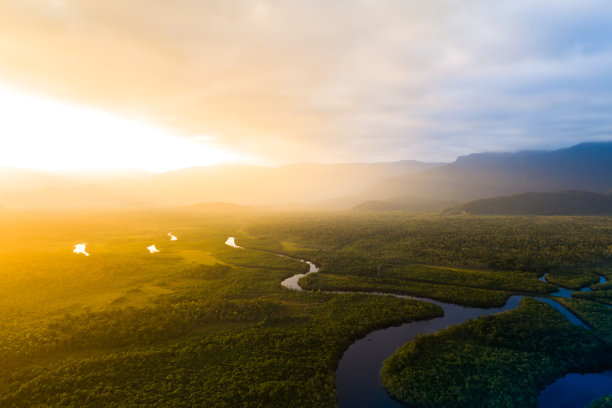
x=241 y=184
x=561 y=203
x=586 y=167
x=396 y=185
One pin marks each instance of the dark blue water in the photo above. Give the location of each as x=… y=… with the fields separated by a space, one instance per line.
x=602 y=279
x=576 y=390
x=358 y=381
x=567 y=293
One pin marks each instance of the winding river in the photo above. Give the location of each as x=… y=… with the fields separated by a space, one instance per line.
x=358 y=381
x=567 y=293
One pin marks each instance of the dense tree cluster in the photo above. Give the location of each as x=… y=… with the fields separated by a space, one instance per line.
x=133 y=326
x=358 y=244
x=126 y=328
x=496 y=361
x=289 y=363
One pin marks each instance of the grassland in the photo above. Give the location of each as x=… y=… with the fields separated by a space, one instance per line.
x=203 y=324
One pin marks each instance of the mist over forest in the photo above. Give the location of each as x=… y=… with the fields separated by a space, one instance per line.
x=305 y=204
x=403 y=185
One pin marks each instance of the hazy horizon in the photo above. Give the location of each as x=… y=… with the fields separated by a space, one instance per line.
x=109 y=173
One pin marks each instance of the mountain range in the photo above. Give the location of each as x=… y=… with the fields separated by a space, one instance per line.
x=561 y=203
x=586 y=167
x=298 y=184
x=396 y=185
x=404 y=204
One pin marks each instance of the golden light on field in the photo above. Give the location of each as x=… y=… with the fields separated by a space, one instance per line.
x=46 y=135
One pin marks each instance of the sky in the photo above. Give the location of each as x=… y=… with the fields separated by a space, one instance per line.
x=273 y=82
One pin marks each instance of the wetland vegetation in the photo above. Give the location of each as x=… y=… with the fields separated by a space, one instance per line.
x=206 y=324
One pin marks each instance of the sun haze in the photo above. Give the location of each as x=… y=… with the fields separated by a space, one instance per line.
x=331 y=82
x=415 y=196
x=47 y=135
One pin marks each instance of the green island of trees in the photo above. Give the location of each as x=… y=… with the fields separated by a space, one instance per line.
x=502 y=360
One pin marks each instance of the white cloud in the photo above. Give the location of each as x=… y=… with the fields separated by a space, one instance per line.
x=342 y=80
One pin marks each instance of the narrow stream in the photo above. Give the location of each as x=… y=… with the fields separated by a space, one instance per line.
x=358 y=381
x=292 y=282
x=567 y=293
x=574 y=390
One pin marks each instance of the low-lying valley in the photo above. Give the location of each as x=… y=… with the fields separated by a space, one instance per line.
x=203 y=321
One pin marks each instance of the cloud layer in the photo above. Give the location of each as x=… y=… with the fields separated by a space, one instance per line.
x=359 y=80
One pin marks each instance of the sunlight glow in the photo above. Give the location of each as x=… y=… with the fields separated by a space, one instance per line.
x=45 y=135
x=152 y=249
x=172 y=237
x=80 y=249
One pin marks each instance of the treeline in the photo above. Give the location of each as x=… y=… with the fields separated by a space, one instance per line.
x=594 y=314
x=500 y=361
x=286 y=364
x=359 y=243
x=576 y=277
x=523 y=282
x=602 y=296
x=466 y=287
x=461 y=295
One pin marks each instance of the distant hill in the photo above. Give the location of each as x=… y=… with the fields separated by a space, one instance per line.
x=22 y=179
x=217 y=206
x=249 y=185
x=374 y=186
x=586 y=167
x=404 y=204
x=561 y=203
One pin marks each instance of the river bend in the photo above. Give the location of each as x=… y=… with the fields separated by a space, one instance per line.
x=358 y=380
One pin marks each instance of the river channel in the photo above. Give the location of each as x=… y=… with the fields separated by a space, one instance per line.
x=358 y=380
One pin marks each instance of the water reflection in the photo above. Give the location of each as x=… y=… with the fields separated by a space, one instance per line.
x=80 y=249
x=230 y=241
x=576 y=390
